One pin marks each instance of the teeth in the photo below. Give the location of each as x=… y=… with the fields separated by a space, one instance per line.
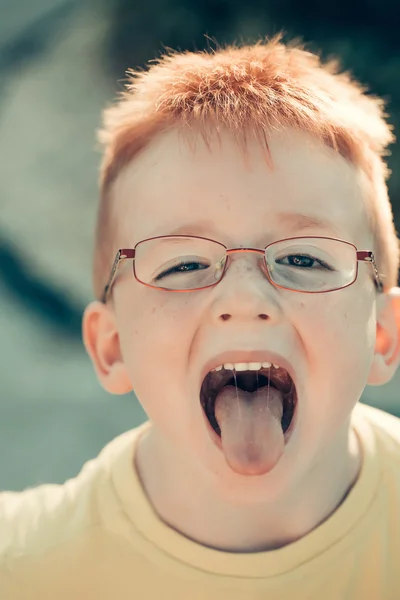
x=246 y=366
x=251 y=366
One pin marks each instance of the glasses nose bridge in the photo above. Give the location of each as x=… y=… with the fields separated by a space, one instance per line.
x=238 y=250
x=233 y=251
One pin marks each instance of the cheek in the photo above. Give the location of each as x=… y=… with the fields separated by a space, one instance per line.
x=338 y=331
x=156 y=339
x=155 y=329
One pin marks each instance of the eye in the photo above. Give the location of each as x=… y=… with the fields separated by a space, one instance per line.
x=303 y=261
x=183 y=267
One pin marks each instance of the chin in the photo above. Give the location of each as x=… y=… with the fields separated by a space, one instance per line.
x=243 y=490
x=238 y=489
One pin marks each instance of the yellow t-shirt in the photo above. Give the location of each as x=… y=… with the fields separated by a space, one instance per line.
x=96 y=537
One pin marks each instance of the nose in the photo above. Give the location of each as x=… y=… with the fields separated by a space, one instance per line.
x=245 y=293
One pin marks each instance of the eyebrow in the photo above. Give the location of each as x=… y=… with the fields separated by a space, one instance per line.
x=195 y=228
x=293 y=222
x=301 y=222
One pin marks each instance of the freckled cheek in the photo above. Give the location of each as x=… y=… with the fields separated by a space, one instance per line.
x=161 y=328
x=339 y=329
x=161 y=334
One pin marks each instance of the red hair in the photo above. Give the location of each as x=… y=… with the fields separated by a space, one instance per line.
x=249 y=90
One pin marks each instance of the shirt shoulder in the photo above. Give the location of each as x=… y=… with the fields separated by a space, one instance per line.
x=39 y=519
x=385 y=429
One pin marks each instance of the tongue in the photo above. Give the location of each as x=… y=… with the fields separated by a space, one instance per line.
x=251 y=431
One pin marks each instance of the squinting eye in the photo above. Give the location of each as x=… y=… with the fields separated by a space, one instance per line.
x=298 y=260
x=303 y=261
x=182 y=268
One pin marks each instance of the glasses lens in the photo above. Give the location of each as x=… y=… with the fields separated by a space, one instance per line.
x=312 y=265
x=179 y=263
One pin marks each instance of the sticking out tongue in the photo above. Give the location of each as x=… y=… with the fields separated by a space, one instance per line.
x=251 y=431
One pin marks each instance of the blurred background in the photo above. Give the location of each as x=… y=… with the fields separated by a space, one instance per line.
x=61 y=62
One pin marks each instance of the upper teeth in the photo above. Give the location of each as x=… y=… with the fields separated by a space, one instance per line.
x=251 y=366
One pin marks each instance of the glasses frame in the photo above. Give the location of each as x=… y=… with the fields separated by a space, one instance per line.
x=127 y=253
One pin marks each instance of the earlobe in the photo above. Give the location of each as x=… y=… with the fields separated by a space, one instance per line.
x=387 y=347
x=101 y=340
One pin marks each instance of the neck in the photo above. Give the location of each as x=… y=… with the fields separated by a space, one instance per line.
x=184 y=499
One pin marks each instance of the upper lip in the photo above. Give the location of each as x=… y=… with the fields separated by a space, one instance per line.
x=246 y=356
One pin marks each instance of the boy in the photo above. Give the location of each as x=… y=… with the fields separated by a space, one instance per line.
x=251 y=299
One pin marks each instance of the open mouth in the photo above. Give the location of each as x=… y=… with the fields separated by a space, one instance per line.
x=249 y=381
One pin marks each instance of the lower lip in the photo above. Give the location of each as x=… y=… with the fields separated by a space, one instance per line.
x=215 y=438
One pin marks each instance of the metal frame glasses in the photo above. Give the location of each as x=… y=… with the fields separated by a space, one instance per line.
x=129 y=253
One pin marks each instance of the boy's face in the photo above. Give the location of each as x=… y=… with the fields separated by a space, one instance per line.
x=165 y=339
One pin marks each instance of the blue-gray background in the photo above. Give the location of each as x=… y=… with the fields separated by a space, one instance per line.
x=61 y=61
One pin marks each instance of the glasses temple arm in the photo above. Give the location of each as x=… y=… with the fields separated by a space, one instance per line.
x=121 y=255
x=369 y=257
x=112 y=276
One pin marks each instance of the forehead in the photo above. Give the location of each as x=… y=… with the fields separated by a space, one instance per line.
x=237 y=197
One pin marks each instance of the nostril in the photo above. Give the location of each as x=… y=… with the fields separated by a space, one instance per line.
x=225 y=317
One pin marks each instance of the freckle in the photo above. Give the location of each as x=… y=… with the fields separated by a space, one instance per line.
x=225 y=200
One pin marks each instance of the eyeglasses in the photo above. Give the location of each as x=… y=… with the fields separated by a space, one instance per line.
x=181 y=263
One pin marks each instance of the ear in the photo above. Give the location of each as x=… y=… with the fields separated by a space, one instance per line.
x=387 y=346
x=101 y=339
